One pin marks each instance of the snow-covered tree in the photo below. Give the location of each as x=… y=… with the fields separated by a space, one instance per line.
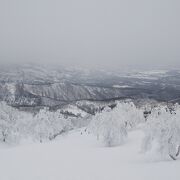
x=163 y=129
x=130 y=113
x=8 y=119
x=16 y=125
x=47 y=125
x=108 y=128
x=111 y=126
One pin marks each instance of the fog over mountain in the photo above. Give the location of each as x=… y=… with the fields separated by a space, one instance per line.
x=97 y=33
x=89 y=89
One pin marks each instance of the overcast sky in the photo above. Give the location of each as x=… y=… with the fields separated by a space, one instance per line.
x=100 y=33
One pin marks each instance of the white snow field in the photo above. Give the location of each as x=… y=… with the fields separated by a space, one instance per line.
x=77 y=156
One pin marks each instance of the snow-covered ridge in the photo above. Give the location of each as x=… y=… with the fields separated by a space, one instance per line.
x=32 y=85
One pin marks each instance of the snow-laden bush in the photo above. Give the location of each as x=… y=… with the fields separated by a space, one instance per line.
x=47 y=125
x=163 y=130
x=110 y=126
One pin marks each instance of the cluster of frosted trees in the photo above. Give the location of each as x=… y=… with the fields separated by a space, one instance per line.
x=111 y=126
x=161 y=127
x=45 y=125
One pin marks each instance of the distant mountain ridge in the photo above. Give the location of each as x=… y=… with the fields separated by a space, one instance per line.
x=32 y=85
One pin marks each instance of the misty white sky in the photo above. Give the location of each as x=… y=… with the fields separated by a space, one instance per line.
x=100 y=33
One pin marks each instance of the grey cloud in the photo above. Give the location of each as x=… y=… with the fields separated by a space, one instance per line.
x=95 y=33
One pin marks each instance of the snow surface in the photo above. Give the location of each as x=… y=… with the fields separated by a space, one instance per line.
x=121 y=86
x=79 y=156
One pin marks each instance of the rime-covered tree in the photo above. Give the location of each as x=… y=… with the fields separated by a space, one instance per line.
x=130 y=113
x=111 y=126
x=108 y=128
x=8 y=119
x=163 y=127
x=47 y=125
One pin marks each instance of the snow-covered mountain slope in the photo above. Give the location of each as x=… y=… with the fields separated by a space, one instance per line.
x=33 y=85
x=79 y=156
